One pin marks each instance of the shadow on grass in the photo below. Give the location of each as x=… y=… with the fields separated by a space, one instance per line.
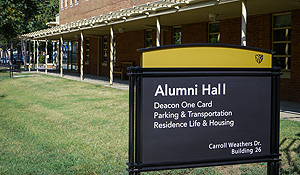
x=3 y=96
x=290 y=149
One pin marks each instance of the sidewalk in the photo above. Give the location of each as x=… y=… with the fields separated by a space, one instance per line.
x=93 y=79
x=290 y=110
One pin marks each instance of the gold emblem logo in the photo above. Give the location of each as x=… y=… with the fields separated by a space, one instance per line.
x=259 y=58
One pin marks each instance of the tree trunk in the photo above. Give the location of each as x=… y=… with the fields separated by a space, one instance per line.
x=19 y=51
x=5 y=54
x=23 y=48
x=29 y=55
x=11 y=51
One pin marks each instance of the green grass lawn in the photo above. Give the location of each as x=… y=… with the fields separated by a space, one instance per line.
x=50 y=125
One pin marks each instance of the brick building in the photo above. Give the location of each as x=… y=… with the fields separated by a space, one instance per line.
x=111 y=31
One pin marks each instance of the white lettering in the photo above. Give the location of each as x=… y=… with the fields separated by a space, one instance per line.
x=160 y=91
x=176 y=91
x=205 y=89
x=158 y=105
x=185 y=105
x=169 y=125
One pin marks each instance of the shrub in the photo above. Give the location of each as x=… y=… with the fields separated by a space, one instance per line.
x=42 y=59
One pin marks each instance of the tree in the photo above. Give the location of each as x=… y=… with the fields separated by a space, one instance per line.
x=15 y=16
x=24 y=16
x=47 y=10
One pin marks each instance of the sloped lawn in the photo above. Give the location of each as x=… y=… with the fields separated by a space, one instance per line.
x=50 y=125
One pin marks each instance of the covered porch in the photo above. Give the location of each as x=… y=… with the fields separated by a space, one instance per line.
x=100 y=43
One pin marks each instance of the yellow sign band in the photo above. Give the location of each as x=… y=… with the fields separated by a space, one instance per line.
x=205 y=57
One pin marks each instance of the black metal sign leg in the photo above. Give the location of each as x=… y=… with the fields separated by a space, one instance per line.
x=131 y=124
x=273 y=168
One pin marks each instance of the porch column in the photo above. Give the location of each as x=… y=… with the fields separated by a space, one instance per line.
x=58 y=55
x=61 y=55
x=34 y=53
x=158 y=29
x=53 y=51
x=244 y=22
x=29 y=55
x=38 y=56
x=46 y=57
x=111 y=55
x=81 y=55
x=71 y=54
x=25 y=54
x=68 y=56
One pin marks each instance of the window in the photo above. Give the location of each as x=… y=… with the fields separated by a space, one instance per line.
x=71 y=3
x=282 y=40
x=148 y=38
x=87 y=51
x=65 y=52
x=105 y=48
x=176 y=35
x=74 y=55
x=214 y=32
x=76 y=2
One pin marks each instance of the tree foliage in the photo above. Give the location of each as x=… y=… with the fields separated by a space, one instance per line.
x=47 y=11
x=15 y=16
x=24 y=16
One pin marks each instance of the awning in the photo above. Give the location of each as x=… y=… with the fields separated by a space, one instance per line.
x=152 y=9
x=172 y=12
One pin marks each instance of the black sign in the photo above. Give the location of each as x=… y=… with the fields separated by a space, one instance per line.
x=183 y=118
x=198 y=118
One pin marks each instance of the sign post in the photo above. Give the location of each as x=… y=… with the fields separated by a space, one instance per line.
x=203 y=113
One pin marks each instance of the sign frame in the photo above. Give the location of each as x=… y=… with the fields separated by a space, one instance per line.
x=136 y=77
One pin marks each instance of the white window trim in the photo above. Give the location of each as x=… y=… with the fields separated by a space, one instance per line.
x=146 y=39
x=214 y=33
x=286 y=72
x=87 y=48
x=176 y=36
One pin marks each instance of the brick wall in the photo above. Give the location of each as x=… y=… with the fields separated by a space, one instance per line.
x=127 y=45
x=167 y=36
x=87 y=9
x=194 y=33
x=259 y=31
x=230 y=30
